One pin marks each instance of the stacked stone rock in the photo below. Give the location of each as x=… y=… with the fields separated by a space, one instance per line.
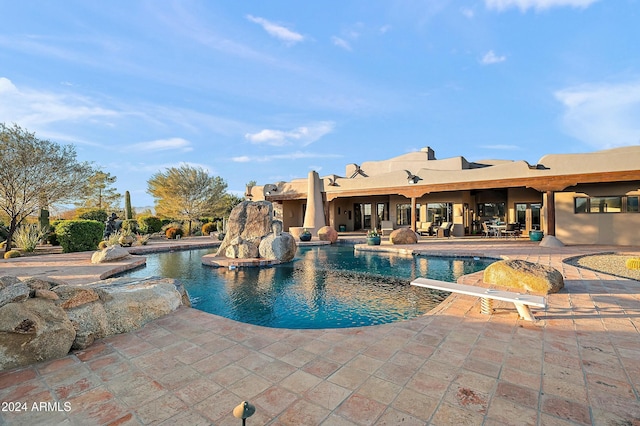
x=42 y=319
x=252 y=232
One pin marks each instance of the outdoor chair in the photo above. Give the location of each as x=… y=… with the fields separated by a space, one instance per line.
x=423 y=228
x=512 y=230
x=488 y=232
x=445 y=229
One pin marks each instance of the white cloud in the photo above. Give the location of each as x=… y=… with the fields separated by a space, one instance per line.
x=340 y=42
x=288 y=156
x=467 y=12
x=538 y=5
x=277 y=31
x=602 y=115
x=302 y=136
x=162 y=145
x=34 y=108
x=491 y=58
x=385 y=29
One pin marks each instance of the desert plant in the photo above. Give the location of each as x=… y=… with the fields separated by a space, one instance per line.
x=127 y=206
x=79 y=235
x=142 y=239
x=173 y=232
x=208 y=228
x=43 y=219
x=99 y=215
x=113 y=239
x=27 y=237
x=126 y=238
x=3 y=244
x=130 y=225
x=11 y=254
x=171 y=224
x=149 y=224
x=51 y=236
x=102 y=245
x=633 y=263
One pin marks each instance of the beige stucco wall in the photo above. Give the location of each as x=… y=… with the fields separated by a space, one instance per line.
x=595 y=228
x=291 y=214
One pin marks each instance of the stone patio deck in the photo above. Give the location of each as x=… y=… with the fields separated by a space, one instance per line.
x=579 y=365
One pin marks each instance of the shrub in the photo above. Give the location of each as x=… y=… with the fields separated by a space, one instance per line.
x=149 y=224
x=173 y=232
x=4 y=231
x=79 y=235
x=114 y=239
x=27 y=237
x=633 y=263
x=208 y=228
x=142 y=240
x=51 y=237
x=99 y=215
x=11 y=254
x=130 y=225
x=4 y=244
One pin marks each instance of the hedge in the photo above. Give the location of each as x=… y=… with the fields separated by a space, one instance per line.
x=79 y=235
x=149 y=224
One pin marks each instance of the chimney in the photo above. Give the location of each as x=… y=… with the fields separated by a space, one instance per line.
x=431 y=155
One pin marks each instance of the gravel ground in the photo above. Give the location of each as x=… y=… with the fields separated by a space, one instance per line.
x=612 y=264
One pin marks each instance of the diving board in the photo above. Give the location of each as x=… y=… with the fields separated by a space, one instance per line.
x=521 y=301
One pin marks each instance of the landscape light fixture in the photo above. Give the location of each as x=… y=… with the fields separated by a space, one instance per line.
x=244 y=411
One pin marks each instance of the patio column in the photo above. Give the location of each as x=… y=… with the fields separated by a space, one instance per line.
x=413 y=213
x=549 y=200
x=314 y=216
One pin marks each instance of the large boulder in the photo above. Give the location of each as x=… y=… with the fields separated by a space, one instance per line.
x=249 y=221
x=33 y=331
x=110 y=254
x=280 y=247
x=90 y=322
x=55 y=318
x=327 y=233
x=7 y=280
x=130 y=303
x=528 y=276
x=46 y=283
x=73 y=296
x=13 y=291
x=403 y=236
x=241 y=249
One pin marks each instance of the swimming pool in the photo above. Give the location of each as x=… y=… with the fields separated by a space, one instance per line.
x=324 y=287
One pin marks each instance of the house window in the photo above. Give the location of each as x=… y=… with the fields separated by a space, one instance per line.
x=612 y=204
x=403 y=214
x=488 y=211
x=439 y=212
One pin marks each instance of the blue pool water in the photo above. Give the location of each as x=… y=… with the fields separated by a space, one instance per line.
x=324 y=287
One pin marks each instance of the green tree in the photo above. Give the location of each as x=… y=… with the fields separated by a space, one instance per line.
x=186 y=193
x=35 y=172
x=100 y=193
x=228 y=202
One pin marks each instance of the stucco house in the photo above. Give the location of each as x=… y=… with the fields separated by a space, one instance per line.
x=590 y=198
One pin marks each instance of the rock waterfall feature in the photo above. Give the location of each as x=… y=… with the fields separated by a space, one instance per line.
x=254 y=234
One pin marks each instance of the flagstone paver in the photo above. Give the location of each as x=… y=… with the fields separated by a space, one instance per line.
x=578 y=365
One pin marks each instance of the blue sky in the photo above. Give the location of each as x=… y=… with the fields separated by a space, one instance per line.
x=267 y=91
